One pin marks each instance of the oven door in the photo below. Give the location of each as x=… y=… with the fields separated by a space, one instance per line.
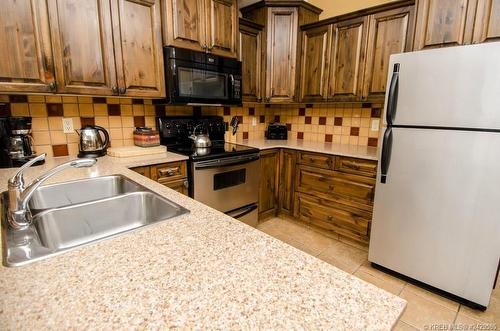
x=227 y=184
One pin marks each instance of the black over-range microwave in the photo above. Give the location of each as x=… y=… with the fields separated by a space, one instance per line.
x=201 y=78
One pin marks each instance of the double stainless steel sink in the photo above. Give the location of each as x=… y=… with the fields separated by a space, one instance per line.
x=76 y=213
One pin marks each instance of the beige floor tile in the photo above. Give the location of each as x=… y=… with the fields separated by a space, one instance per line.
x=343 y=256
x=464 y=322
x=490 y=315
x=367 y=267
x=423 y=313
x=433 y=297
x=402 y=326
x=315 y=242
x=388 y=285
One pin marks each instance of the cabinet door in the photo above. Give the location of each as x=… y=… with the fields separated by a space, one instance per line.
x=222 y=27
x=281 y=54
x=487 y=26
x=184 y=23
x=25 y=51
x=82 y=39
x=138 y=48
x=287 y=180
x=444 y=23
x=250 y=55
x=268 y=188
x=315 y=62
x=348 y=53
x=180 y=186
x=390 y=32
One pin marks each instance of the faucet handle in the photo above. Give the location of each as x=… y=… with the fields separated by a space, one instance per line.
x=18 y=179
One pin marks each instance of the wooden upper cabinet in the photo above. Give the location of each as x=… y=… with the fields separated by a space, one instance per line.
x=82 y=40
x=487 y=24
x=444 y=23
x=184 y=23
x=390 y=32
x=26 y=63
x=138 y=47
x=222 y=27
x=250 y=55
x=281 y=54
x=348 y=56
x=315 y=63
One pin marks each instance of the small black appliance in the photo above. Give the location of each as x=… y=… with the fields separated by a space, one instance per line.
x=277 y=131
x=16 y=143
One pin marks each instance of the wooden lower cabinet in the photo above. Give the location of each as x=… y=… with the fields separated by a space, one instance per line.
x=288 y=160
x=269 y=183
x=172 y=174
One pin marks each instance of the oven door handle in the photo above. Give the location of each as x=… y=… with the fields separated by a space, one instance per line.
x=238 y=213
x=225 y=162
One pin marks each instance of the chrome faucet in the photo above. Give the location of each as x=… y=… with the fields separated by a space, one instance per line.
x=19 y=195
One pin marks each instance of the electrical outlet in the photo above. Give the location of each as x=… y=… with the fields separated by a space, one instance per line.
x=375 y=125
x=68 y=125
x=254 y=121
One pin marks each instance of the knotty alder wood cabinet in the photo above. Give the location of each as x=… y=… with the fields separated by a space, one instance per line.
x=269 y=183
x=100 y=47
x=172 y=174
x=250 y=55
x=201 y=25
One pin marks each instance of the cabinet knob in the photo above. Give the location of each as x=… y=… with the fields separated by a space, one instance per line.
x=114 y=90
x=204 y=46
x=122 y=90
x=52 y=86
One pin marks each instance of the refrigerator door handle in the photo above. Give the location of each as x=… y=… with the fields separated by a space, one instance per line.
x=385 y=158
x=393 y=95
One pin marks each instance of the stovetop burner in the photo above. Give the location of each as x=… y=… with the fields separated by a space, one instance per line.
x=219 y=149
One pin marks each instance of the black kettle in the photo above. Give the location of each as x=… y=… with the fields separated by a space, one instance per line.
x=91 y=141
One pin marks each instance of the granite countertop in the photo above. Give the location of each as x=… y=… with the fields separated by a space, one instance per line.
x=362 y=152
x=199 y=270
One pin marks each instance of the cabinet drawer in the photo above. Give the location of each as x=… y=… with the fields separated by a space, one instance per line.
x=145 y=171
x=356 y=166
x=180 y=186
x=334 y=217
x=317 y=160
x=169 y=171
x=349 y=189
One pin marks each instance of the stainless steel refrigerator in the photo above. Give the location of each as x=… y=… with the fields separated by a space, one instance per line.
x=436 y=214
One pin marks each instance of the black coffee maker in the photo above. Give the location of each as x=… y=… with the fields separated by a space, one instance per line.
x=16 y=143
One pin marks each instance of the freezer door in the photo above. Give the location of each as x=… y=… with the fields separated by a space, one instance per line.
x=437 y=217
x=449 y=87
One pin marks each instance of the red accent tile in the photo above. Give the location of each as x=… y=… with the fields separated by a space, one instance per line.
x=137 y=101
x=322 y=120
x=160 y=110
x=337 y=121
x=139 y=121
x=302 y=112
x=354 y=131
x=373 y=142
x=262 y=119
x=251 y=111
x=288 y=126
x=276 y=119
x=197 y=111
x=300 y=135
x=328 y=138
x=366 y=105
x=87 y=121
x=114 y=110
x=309 y=105
x=308 y=119
x=376 y=112
x=227 y=111
x=5 y=109
x=60 y=150
x=240 y=119
x=98 y=100
x=18 y=98
x=55 y=109
x=245 y=135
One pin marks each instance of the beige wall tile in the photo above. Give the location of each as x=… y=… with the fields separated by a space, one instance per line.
x=19 y=109
x=36 y=98
x=47 y=149
x=57 y=138
x=128 y=142
x=38 y=110
x=53 y=99
x=41 y=137
x=126 y=110
x=125 y=101
x=117 y=143
x=55 y=123
x=116 y=133
x=86 y=110
x=127 y=121
x=100 y=109
x=115 y=121
x=128 y=133
x=84 y=100
x=72 y=137
x=73 y=149
x=149 y=110
x=102 y=121
x=40 y=124
x=70 y=99
x=71 y=110
x=113 y=101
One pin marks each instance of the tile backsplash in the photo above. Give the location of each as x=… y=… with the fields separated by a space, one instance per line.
x=348 y=123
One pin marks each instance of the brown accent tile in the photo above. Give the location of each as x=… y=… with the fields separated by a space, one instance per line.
x=98 y=100
x=276 y=118
x=196 y=111
x=18 y=98
x=251 y=111
x=354 y=131
x=60 y=150
x=328 y=138
x=137 y=101
x=268 y=105
x=288 y=126
x=308 y=120
x=338 y=121
x=139 y=121
x=366 y=105
x=245 y=135
x=262 y=119
x=300 y=135
x=227 y=111
x=302 y=112
x=87 y=121
x=309 y=105
x=114 y=110
x=160 y=110
x=376 y=112
x=373 y=142
x=5 y=109
x=322 y=120
x=55 y=109
x=240 y=119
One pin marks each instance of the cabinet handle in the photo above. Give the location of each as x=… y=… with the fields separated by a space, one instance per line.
x=204 y=46
x=52 y=86
x=114 y=90
x=168 y=172
x=186 y=184
x=122 y=90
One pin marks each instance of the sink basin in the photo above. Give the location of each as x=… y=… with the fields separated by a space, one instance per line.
x=79 y=213
x=79 y=191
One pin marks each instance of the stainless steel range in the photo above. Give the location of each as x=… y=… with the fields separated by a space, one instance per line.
x=224 y=176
